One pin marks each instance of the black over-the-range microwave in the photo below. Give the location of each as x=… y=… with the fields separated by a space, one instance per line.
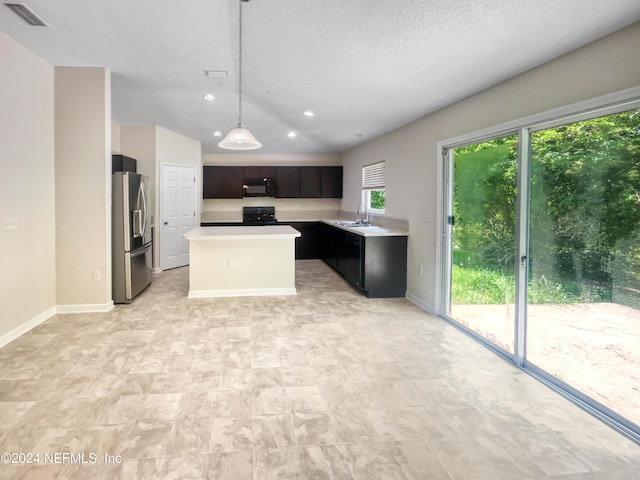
x=259 y=187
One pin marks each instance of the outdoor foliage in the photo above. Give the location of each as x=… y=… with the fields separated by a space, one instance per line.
x=377 y=199
x=584 y=210
x=483 y=286
x=485 y=184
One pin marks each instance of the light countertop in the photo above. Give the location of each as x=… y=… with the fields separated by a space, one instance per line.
x=368 y=231
x=242 y=232
x=330 y=217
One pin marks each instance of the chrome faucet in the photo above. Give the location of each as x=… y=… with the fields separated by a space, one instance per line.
x=363 y=210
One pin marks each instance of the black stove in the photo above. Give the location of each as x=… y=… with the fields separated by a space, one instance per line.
x=259 y=216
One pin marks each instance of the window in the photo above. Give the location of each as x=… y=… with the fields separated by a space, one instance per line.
x=373 y=183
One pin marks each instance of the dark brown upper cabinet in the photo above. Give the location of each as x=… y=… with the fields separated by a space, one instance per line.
x=291 y=182
x=287 y=182
x=122 y=163
x=259 y=172
x=309 y=182
x=331 y=182
x=222 y=182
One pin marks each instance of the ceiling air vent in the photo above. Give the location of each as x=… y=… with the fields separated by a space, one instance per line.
x=26 y=14
x=216 y=73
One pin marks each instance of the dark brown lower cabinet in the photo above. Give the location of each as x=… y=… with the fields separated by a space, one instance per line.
x=308 y=243
x=377 y=266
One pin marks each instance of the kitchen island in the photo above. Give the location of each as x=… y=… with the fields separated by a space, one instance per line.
x=241 y=261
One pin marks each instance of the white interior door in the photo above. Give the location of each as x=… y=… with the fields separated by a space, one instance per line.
x=178 y=213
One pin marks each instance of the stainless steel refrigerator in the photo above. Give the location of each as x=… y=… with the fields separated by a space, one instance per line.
x=131 y=230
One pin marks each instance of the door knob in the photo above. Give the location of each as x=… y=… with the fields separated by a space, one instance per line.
x=166 y=223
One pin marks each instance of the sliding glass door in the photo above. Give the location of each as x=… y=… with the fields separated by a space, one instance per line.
x=583 y=323
x=482 y=233
x=552 y=279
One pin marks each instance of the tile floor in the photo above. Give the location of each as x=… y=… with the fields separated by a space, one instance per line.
x=323 y=385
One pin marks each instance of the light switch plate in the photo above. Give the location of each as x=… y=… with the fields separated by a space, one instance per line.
x=10 y=224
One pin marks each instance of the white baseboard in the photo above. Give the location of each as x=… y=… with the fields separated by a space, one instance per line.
x=85 y=308
x=38 y=319
x=157 y=270
x=244 y=292
x=26 y=326
x=420 y=303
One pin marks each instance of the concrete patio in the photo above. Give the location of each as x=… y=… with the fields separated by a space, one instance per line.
x=595 y=347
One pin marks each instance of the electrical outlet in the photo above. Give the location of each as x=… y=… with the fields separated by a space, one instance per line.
x=97 y=275
x=232 y=263
x=429 y=216
x=10 y=224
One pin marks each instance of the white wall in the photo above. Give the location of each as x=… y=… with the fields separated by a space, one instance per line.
x=27 y=255
x=83 y=188
x=115 y=137
x=139 y=142
x=607 y=65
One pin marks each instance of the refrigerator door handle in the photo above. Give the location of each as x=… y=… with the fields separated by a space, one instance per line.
x=144 y=211
x=137 y=224
x=124 y=215
x=140 y=251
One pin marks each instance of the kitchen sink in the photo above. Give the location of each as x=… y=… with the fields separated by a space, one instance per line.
x=352 y=224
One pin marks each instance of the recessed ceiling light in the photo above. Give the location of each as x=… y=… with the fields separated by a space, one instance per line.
x=308 y=113
x=209 y=97
x=292 y=134
x=217 y=133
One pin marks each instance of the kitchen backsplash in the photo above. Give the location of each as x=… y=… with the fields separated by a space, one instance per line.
x=292 y=209
x=285 y=204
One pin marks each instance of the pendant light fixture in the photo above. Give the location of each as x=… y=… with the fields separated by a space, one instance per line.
x=240 y=138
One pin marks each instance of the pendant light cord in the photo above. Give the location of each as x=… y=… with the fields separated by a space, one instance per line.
x=240 y=138
x=240 y=70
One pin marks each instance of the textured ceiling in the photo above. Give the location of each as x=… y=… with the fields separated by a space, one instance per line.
x=365 y=67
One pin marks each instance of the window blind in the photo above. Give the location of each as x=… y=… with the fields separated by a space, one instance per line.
x=373 y=176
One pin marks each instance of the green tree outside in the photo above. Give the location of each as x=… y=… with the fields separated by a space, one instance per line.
x=584 y=210
x=377 y=199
